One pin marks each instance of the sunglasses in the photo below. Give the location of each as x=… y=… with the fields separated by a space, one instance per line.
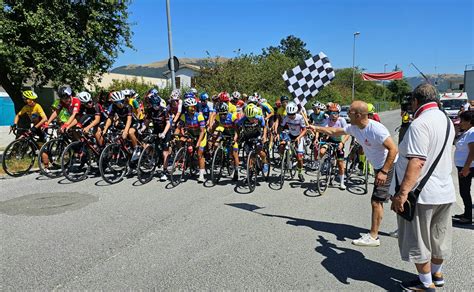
x=291 y=115
x=119 y=102
x=333 y=113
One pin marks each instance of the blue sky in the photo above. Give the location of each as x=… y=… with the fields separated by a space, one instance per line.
x=435 y=35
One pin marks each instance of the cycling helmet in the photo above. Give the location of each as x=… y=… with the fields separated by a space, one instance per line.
x=262 y=100
x=215 y=98
x=244 y=96
x=117 y=96
x=190 y=101
x=154 y=99
x=127 y=92
x=152 y=91
x=193 y=91
x=253 y=99
x=323 y=107
x=291 y=108
x=284 y=98
x=370 y=108
x=223 y=108
x=204 y=96
x=235 y=95
x=175 y=94
x=64 y=91
x=28 y=94
x=189 y=95
x=318 y=105
x=224 y=96
x=334 y=107
x=256 y=95
x=84 y=97
x=251 y=111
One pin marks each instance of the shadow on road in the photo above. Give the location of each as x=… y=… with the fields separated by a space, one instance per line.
x=346 y=263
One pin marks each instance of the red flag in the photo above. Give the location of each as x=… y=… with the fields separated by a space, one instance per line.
x=382 y=76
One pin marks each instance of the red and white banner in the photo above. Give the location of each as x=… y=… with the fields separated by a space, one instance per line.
x=382 y=76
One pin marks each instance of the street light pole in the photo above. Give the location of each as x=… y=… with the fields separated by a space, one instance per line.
x=353 y=64
x=170 y=47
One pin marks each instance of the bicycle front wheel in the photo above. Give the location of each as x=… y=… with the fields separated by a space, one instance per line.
x=252 y=170
x=113 y=163
x=324 y=174
x=179 y=167
x=19 y=157
x=147 y=164
x=76 y=161
x=217 y=165
x=49 y=158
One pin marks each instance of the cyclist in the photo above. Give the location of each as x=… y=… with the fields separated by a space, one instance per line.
x=372 y=114
x=194 y=124
x=90 y=116
x=70 y=103
x=157 y=113
x=281 y=113
x=225 y=98
x=238 y=102
x=226 y=123
x=297 y=127
x=176 y=106
x=35 y=113
x=123 y=112
x=205 y=107
x=336 y=122
x=253 y=126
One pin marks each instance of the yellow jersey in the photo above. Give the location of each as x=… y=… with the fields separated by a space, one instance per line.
x=32 y=110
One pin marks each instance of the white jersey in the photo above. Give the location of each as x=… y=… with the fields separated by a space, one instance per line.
x=294 y=125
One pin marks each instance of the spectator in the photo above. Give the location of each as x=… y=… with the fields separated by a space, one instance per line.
x=427 y=238
x=381 y=152
x=464 y=161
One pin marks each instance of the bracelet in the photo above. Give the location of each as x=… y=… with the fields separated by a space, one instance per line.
x=384 y=172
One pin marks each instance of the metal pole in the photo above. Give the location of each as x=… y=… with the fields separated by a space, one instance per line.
x=353 y=65
x=170 y=47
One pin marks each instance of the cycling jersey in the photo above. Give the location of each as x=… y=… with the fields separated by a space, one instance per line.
x=31 y=111
x=63 y=115
x=318 y=119
x=375 y=117
x=205 y=109
x=339 y=123
x=122 y=113
x=281 y=112
x=294 y=125
x=135 y=107
x=159 y=118
x=228 y=123
x=193 y=123
x=251 y=127
x=267 y=109
x=176 y=108
x=87 y=114
x=73 y=107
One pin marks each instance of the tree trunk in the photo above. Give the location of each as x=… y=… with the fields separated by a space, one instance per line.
x=14 y=91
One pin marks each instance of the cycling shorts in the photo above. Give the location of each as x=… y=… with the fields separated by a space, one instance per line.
x=340 y=154
x=288 y=137
x=221 y=129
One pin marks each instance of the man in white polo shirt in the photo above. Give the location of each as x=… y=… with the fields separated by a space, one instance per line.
x=426 y=240
x=380 y=151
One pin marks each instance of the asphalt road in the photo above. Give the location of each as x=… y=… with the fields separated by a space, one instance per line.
x=57 y=235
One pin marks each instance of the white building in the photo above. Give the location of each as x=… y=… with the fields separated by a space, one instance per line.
x=184 y=76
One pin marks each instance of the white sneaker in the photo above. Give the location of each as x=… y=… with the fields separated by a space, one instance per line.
x=135 y=155
x=366 y=240
x=342 y=186
x=163 y=177
x=201 y=178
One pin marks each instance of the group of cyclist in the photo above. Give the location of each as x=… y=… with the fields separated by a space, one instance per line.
x=199 y=117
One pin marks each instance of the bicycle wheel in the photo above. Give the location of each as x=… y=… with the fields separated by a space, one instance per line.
x=266 y=175
x=291 y=161
x=179 y=167
x=76 y=161
x=252 y=170
x=113 y=163
x=217 y=165
x=19 y=157
x=52 y=151
x=147 y=164
x=352 y=163
x=283 y=168
x=324 y=174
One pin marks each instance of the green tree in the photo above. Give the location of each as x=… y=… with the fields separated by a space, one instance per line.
x=292 y=47
x=59 y=41
x=399 y=89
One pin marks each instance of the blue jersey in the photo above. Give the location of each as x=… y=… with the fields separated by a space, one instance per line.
x=318 y=119
x=205 y=109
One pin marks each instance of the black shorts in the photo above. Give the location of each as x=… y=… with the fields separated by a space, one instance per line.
x=165 y=142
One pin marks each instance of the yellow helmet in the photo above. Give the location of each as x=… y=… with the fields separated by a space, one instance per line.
x=370 y=108
x=28 y=94
x=251 y=110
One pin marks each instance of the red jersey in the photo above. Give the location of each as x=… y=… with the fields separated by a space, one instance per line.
x=72 y=108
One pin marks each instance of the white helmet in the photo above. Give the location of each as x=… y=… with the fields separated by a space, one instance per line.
x=194 y=91
x=190 y=102
x=84 y=97
x=236 y=95
x=291 y=108
x=318 y=105
x=323 y=107
x=127 y=92
x=117 y=96
x=175 y=94
x=262 y=100
x=252 y=99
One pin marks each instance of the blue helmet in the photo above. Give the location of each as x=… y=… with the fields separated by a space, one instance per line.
x=189 y=95
x=204 y=96
x=154 y=99
x=153 y=91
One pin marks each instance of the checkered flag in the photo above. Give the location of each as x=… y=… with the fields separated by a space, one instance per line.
x=309 y=78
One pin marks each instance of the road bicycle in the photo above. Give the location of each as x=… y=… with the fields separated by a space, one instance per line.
x=252 y=148
x=20 y=155
x=222 y=160
x=327 y=167
x=185 y=162
x=356 y=166
x=288 y=159
x=150 y=158
x=49 y=157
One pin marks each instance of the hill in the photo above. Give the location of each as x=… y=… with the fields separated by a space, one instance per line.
x=443 y=81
